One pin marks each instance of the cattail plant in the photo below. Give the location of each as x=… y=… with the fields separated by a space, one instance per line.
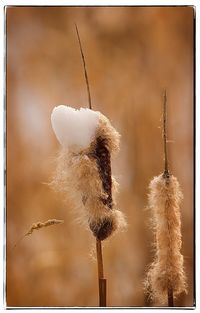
x=166 y=277
x=83 y=171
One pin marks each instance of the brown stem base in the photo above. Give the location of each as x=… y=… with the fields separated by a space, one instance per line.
x=102 y=292
x=101 y=279
x=170 y=297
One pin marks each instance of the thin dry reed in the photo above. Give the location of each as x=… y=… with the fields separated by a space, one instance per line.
x=39 y=225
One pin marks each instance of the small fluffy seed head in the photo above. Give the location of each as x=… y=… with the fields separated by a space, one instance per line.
x=102 y=227
x=167 y=269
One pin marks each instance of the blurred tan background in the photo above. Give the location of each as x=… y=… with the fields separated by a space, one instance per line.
x=132 y=54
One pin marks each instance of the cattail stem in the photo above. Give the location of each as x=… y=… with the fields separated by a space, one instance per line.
x=85 y=70
x=166 y=176
x=101 y=279
x=166 y=169
x=170 y=297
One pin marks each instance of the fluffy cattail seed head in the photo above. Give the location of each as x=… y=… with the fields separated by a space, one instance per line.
x=84 y=166
x=167 y=270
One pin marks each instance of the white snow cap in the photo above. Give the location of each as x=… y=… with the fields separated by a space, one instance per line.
x=74 y=127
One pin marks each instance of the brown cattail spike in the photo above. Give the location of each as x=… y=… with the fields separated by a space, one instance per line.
x=102 y=156
x=103 y=228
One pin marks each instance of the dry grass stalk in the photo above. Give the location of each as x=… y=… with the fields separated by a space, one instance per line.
x=39 y=225
x=166 y=277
